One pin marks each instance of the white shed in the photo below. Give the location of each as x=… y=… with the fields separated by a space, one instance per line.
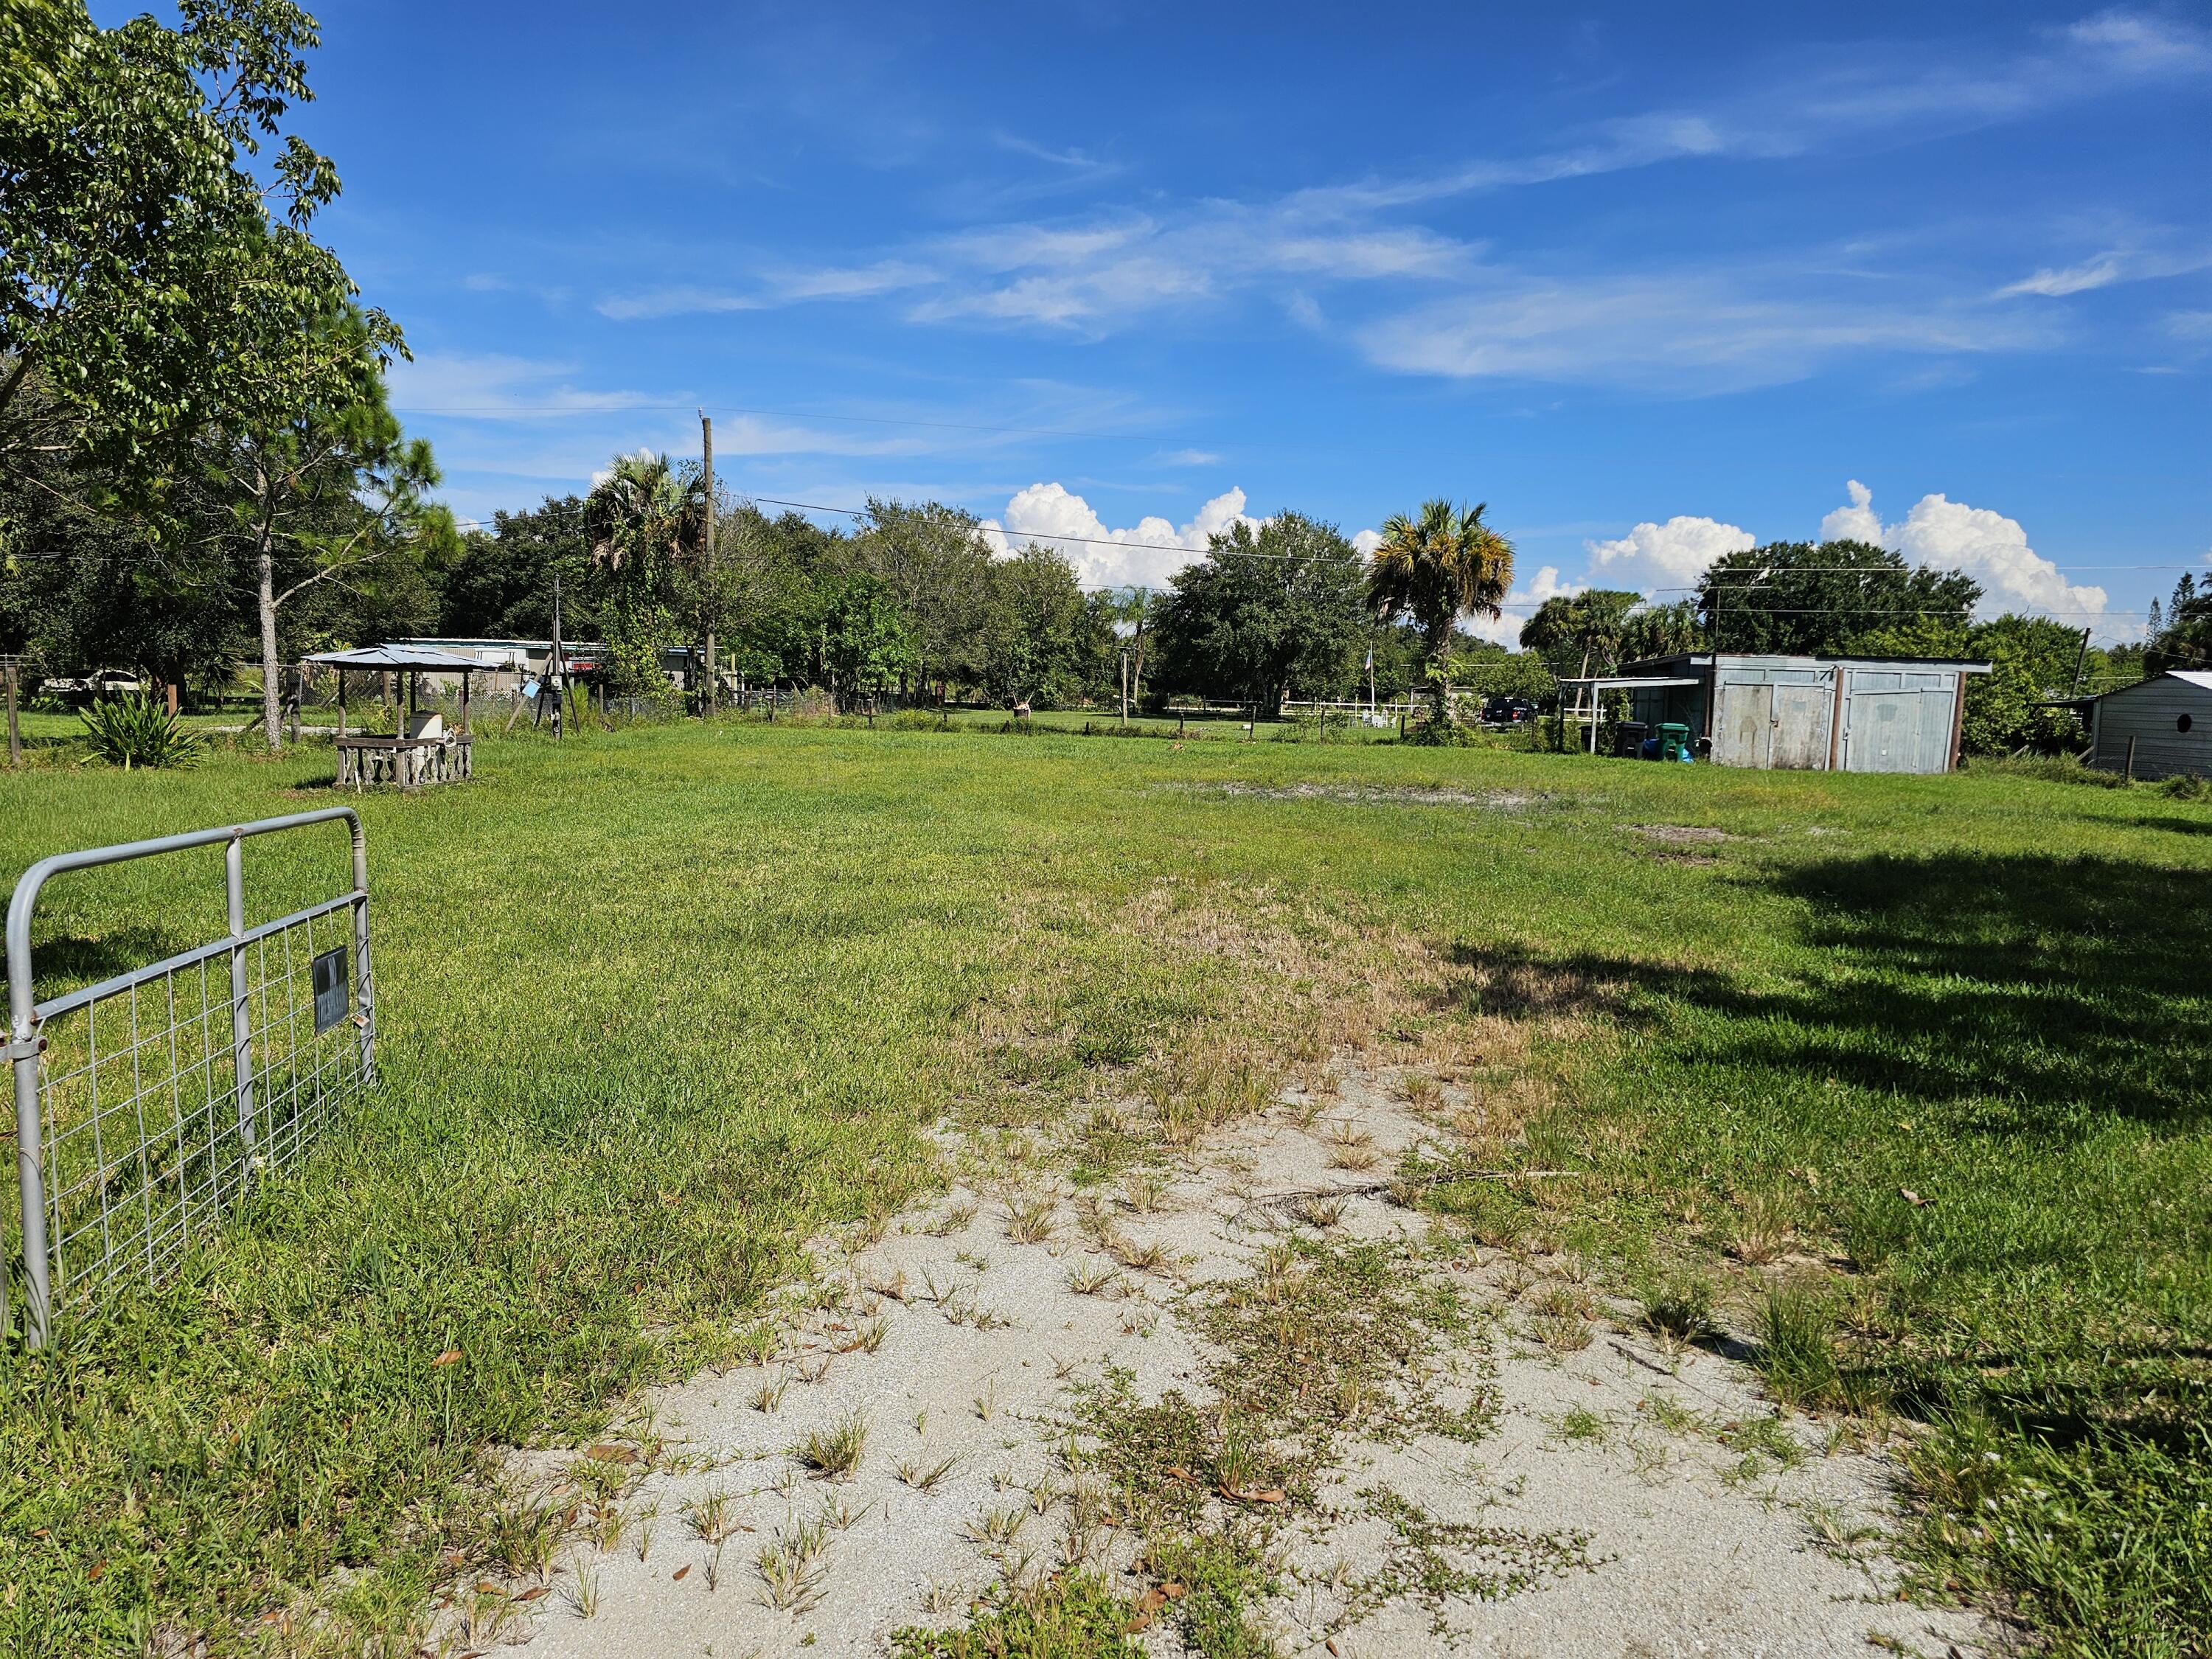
x=2156 y=727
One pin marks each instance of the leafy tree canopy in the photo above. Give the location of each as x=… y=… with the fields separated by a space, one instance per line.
x=500 y=586
x=1581 y=633
x=149 y=252
x=1265 y=612
x=933 y=559
x=1037 y=633
x=1795 y=598
x=2183 y=636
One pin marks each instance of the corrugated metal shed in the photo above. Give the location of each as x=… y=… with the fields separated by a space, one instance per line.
x=1813 y=713
x=2164 y=723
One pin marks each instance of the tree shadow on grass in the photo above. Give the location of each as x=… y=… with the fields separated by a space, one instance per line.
x=2027 y=998
x=2045 y=993
x=2051 y=991
x=71 y=960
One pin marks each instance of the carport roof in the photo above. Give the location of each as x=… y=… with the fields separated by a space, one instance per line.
x=400 y=656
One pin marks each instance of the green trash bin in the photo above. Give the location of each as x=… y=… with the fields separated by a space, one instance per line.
x=1673 y=742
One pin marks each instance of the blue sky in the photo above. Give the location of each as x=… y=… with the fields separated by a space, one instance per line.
x=1649 y=280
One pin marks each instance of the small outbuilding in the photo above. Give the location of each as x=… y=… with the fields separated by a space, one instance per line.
x=1806 y=714
x=2156 y=728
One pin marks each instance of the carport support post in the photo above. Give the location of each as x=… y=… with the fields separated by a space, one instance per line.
x=241 y=1024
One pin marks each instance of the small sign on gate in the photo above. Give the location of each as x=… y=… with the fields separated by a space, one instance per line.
x=331 y=999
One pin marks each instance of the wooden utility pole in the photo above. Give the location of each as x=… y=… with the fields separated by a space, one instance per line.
x=553 y=675
x=15 y=727
x=706 y=449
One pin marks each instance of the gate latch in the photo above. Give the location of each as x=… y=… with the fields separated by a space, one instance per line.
x=29 y=1048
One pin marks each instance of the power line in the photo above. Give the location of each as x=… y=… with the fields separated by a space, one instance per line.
x=1056 y=536
x=1900 y=611
x=780 y=415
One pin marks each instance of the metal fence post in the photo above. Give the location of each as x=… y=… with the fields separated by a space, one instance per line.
x=241 y=1023
x=23 y=1047
x=366 y=985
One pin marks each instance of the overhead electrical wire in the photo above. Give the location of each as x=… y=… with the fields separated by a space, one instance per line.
x=779 y=415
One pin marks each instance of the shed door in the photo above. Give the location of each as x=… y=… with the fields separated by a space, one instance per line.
x=1742 y=735
x=1907 y=731
x=1802 y=713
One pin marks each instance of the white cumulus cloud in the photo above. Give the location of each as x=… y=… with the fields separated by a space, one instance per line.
x=1147 y=553
x=1674 y=554
x=1858 y=522
x=1993 y=549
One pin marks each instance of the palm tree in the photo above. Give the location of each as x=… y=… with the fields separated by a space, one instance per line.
x=1435 y=568
x=646 y=523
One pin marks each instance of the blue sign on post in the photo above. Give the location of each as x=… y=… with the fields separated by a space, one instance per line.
x=331 y=999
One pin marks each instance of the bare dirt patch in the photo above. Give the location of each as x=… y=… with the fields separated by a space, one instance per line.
x=1494 y=800
x=1681 y=835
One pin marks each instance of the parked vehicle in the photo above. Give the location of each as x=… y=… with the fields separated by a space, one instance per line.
x=75 y=690
x=1508 y=711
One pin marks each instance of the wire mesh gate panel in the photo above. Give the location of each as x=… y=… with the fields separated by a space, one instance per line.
x=147 y=1103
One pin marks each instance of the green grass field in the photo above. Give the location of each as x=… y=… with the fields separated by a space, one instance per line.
x=659 y=1004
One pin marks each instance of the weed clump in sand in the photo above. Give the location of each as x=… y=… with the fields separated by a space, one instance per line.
x=834 y=1453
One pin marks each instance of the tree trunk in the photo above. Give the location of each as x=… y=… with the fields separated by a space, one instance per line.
x=1439 y=687
x=270 y=692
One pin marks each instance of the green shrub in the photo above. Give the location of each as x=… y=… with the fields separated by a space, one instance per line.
x=1444 y=734
x=2188 y=785
x=134 y=730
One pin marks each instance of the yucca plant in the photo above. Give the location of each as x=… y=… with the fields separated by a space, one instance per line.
x=136 y=730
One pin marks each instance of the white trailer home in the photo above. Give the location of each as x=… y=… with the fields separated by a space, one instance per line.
x=2155 y=728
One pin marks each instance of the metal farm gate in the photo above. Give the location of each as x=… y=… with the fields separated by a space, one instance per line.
x=147 y=1104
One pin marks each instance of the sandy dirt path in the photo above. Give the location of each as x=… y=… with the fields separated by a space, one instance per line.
x=1628 y=1497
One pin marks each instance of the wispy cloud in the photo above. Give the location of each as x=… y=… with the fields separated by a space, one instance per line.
x=1341 y=256
x=1681 y=333
x=2115 y=265
x=773 y=289
x=1075 y=161
x=1887 y=95
x=489 y=384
